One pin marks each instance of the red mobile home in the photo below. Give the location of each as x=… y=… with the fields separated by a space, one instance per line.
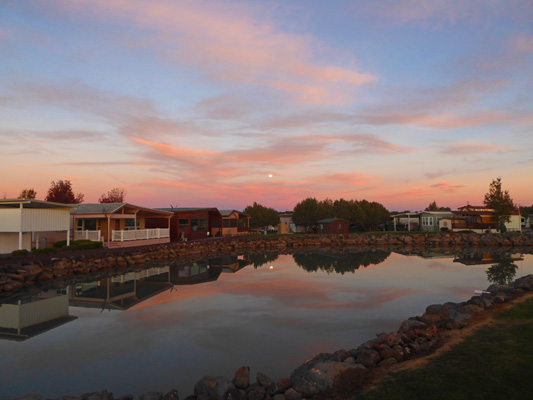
x=333 y=225
x=191 y=223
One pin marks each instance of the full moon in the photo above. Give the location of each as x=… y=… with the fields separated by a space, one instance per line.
x=270 y=175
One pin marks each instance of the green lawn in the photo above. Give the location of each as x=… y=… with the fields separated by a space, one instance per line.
x=495 y=362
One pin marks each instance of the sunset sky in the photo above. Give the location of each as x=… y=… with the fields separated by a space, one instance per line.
x=195 y=103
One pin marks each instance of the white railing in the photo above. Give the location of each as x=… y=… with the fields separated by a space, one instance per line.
x=140 y=234
x=94 y=236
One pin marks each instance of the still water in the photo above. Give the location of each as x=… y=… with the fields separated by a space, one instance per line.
x=167 y=326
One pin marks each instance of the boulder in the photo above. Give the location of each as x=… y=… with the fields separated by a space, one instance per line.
x=215 y=387
x=236 y=394
x=317 y=375
x=241 y=378
x=151 y=396
x=263 y=380
x=290 y=394
x=368 y=358
x=172 y=395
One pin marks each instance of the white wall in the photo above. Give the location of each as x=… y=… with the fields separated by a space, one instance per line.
x=10 y=242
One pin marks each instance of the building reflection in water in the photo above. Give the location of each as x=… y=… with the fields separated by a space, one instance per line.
x=24 y=317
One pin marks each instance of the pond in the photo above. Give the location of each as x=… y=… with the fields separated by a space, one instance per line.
x=167 y=326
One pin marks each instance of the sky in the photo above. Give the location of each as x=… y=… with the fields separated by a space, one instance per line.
x=223 y=103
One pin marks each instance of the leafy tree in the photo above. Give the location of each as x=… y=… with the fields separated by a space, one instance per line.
x=305 y=213
x=61 y=192
x=373 y=214
x=27 y=194
x=526 y=211
x=325 y=210
x=500 y=201
x=115 y=195
x=261 y=217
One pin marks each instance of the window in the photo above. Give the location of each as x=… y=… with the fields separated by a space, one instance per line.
x=129 y=224
x=427 y=221
x=89 y=224
x=215 y=223
x=183 y=223
x=233 y=222
x=225 y=223
x=202 y=224
x=79 y=224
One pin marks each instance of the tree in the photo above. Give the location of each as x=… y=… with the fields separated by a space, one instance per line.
x=61 y=192
x=434 y=207
x=305 y=213
x=373 y=214
x=115 y=195
x=261 y=217
x=27 y=194
x=500 y=201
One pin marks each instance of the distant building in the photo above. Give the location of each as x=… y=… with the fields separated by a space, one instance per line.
x=333 y=225
x=235 y=223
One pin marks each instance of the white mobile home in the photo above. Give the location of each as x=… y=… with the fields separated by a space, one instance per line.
x=21 y=221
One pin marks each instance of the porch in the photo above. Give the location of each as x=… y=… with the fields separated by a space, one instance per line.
x=127 y=238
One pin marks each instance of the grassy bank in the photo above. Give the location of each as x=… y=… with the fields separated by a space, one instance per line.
x=495 y=362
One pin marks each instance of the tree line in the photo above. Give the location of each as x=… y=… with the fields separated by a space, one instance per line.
x=61 y=191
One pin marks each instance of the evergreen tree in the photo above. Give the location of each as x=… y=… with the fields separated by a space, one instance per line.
x=500 y=201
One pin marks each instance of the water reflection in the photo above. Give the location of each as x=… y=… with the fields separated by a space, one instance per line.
x=178 y=321
x=24 y=317
x=339 y=263
x=503 y=272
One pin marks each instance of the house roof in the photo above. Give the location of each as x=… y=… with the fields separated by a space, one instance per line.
x=227 y=213
x=104 y=208
x=178 y=209
x=328 y=220
x=30 y=203
x=87 y=208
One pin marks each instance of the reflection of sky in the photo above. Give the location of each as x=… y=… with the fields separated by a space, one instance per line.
x=269 y=319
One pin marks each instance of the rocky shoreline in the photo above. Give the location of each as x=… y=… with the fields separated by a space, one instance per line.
x=417 y=336
x=16 y=274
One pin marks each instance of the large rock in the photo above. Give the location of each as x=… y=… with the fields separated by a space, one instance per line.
x=317 y=375
x=368 y=358
x=151 y=396
x=241 y=379
x=215 y=387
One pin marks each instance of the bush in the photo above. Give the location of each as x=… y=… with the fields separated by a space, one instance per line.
x=20 y=253
x=83 y=245
x=44 y=250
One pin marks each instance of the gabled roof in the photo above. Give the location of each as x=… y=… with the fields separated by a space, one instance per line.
x=105 y=208
x=227 y=213
x=30 y=203
x=88 y=208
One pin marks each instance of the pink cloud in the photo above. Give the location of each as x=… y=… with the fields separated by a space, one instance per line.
x=473 y=148
x=230 y=42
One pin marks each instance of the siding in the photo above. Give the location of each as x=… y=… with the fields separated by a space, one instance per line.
x=41 y=220
x=9 y=220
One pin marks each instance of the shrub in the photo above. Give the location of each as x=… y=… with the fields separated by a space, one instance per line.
x=20 y=253
x=44 y=250
x=83 y=245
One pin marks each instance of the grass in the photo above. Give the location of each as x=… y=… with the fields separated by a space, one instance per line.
x=495 y=362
